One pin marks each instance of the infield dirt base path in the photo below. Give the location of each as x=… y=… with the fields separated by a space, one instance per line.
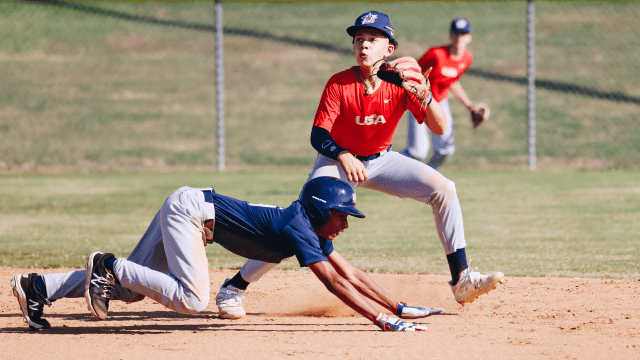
x=292 y=315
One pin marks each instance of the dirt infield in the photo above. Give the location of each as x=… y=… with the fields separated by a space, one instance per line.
x=291 y=315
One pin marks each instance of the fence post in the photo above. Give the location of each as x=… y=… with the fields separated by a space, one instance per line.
x=219 y=85
x=531 y=84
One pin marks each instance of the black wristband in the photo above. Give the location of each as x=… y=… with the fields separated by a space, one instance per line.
x=430 y=98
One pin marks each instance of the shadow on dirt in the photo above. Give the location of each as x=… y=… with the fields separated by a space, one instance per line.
x=143 y=324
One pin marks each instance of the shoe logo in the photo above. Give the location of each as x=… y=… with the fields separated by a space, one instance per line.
x=34 y=305
x=105 y=285
x=386 y=101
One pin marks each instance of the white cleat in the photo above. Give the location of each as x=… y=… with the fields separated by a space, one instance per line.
x=229 y=301
x=473 y=284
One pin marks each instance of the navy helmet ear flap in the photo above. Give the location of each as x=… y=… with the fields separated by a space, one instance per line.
x=317 y=213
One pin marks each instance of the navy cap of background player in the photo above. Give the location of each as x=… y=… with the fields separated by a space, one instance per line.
x=372 y=20
x=460 y=25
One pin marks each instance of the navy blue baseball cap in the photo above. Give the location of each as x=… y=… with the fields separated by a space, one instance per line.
x=460 y=25
x=372 y=20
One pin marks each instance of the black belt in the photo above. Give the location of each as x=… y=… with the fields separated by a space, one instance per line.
x=374 y=156
x=208 y=195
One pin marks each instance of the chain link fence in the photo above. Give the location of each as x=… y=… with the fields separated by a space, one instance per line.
x=117 y=85
x=587 y=92
x=588 y=63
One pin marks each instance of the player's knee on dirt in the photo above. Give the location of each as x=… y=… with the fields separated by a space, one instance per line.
x=191 y=304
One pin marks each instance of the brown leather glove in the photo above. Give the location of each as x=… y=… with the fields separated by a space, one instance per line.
x=479 y=114
x=406 y=73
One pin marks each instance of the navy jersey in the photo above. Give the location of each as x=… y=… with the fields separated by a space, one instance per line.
x=267 y=233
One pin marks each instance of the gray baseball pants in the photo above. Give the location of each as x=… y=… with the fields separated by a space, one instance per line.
x=397 y=175
x=169 y=264
x=418 y=137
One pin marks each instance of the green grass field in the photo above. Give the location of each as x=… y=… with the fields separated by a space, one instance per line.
x=88 y=90
x=561 y=224
x=93 y=99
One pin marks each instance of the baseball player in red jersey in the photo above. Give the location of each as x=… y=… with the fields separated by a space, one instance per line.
x=352 y=131
x=448 y=62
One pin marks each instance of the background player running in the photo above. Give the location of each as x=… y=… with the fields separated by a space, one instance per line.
x=448 y=63
x=169 y=264
x=352 y=131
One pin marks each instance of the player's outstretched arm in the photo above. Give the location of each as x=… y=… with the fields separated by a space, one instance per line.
x=457 y=91
x=343 y=289
x=369 y=288
x=361 y=281
x=479 y=111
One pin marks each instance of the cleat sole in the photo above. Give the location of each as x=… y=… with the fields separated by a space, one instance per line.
x=476 y=295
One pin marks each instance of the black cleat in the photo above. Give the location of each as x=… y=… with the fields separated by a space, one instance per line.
x=99 y=285
x=31 y=301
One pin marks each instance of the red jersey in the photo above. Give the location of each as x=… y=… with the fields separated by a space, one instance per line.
x=445 y=71
x=363 y=124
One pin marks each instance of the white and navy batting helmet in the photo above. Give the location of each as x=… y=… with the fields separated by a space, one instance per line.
x=324 y=193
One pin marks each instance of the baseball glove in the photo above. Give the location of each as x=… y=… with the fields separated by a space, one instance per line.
x=406 y=73
x=479 y=114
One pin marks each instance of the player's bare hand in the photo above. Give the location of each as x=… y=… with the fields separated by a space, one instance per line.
x=405 y=311
x=207 y=236
x=353 y=168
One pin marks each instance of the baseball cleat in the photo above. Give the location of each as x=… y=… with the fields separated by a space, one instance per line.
x=31 y=301
x=229 y=301
x=99 y=285
x=473 y=284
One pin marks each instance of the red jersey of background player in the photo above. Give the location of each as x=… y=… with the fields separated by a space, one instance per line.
x=363 y=124
x=445 y=71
